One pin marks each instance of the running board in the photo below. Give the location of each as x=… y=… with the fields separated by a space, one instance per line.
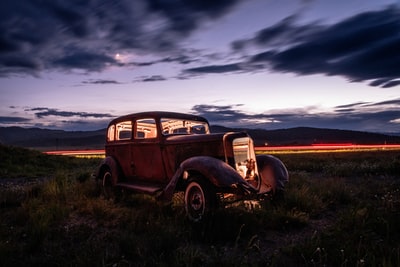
x=141 y=188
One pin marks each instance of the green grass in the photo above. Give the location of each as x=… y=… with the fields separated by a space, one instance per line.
x=339 y=209
x=18 y=162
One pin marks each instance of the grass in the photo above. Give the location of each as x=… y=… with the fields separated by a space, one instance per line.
x=340 y=209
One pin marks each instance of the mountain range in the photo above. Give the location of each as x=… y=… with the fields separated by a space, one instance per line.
x=46 y=139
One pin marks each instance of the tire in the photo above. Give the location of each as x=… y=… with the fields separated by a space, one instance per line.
x=108 y=190
x=200 y=199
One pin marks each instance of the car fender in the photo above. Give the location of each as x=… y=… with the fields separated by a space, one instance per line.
x=111 y=163
x=273 y=173
x=215 y=170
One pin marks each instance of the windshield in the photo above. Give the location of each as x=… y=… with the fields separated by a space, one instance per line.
x=180 y=126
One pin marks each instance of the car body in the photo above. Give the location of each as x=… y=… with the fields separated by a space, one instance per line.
x=161 y=153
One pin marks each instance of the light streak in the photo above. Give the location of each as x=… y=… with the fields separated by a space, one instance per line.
x=78 y=153
x=340 y=147
x=326 y=147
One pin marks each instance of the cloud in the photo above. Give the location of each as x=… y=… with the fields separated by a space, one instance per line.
x=85 y=35
x=180 y=58
x=219 y=113
x=45 y=112
x=154 y=78
x=37 y=36
x=350 y=106
x=391 y=84
x=44 y=117
x=214 y=69
x=101 y=81
x=11 y=120
x=362 y=48
x=394 y=103
x=383 y=116
x=372 y=117
x=84 y=60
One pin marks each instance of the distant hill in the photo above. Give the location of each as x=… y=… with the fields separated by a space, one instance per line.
x=45 y=139
x=308 y=136
x=52 y=139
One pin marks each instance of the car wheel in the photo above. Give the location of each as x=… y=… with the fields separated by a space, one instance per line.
x=200 y=198
x=108 y=190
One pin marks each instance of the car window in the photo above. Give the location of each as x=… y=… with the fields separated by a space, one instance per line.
x=111 y=133
x=180 y=126
x=145 y=129
x=123 y=130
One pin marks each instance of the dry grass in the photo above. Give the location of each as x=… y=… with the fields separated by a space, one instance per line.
x=340 y=209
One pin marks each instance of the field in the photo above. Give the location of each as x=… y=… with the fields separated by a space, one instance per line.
x=339 y=209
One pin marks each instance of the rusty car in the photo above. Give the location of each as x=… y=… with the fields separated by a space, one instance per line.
x=161 y=153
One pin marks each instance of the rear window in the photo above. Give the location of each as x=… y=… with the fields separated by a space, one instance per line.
x=180 y=126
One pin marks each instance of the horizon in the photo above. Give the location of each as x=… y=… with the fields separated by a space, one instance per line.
x=394 y=134
x=75 y=66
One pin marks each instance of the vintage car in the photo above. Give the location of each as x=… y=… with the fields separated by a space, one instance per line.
x=162 y=153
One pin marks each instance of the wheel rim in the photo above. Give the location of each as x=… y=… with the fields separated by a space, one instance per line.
x=195 y=201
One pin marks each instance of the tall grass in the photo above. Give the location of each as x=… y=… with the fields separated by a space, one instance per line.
x=363 y=191
x=339 y=209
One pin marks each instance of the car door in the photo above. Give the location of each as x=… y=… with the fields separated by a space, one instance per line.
x=146 y=159
x=119 y=140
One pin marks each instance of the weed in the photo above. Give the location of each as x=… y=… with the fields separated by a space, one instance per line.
x=339 y=209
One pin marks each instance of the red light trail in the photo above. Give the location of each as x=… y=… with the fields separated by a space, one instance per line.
x=328 y=147
x=340 y=147
x=91 y=152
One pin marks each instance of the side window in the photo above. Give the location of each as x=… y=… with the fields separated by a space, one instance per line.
x=111 y=133
x=124 y=130
x=145 y=129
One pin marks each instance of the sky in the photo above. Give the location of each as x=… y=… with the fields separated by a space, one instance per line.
x=77 y=64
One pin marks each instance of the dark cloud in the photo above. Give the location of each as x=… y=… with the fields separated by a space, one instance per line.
x=85 y=125
x=180 y=59
x=388 y=105
x=389 y=102
x=44 y=117
x=11 y=120
x=38 y=36
x=352 y=105
x=45 y=35
x=284 y=33
x=391 y=84
x=381 y=116
x=214 y=69
x=219 y=113
x=41 y=112
x=361 y=48
x=154 y=78
x=91 y=81
x=373 y=117
x=184 y=15
x=84 y=60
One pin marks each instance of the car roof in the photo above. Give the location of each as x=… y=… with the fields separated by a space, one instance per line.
x=157 y=115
